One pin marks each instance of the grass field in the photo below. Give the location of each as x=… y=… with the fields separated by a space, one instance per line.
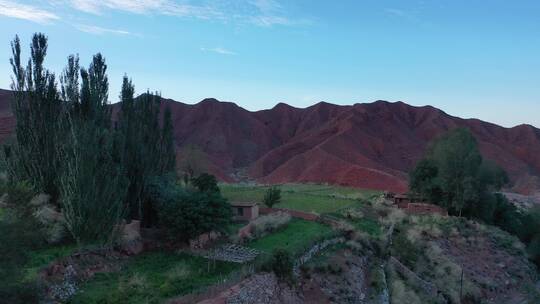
x=40 y=258
x=304 y=197
x=152 y=278
x=296 y=237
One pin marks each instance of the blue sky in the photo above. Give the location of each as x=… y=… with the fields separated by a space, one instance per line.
x=474 y=58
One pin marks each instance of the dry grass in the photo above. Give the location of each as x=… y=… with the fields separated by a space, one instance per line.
x=179 y=272
x=445 y=274
x=401 y=293
x=269 y=223
x=352 y=213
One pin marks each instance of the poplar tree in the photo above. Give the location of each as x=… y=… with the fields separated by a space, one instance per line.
x=38 y=111
x=93 y=185
x=148 y=150
x=168 y=151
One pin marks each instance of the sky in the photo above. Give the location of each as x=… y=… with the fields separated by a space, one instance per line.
x=470 y=58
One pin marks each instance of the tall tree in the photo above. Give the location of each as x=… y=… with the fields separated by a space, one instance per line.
x=148 y=150
x=93 y=185
x=453 y=173
x=168 y=151
x=38 y=111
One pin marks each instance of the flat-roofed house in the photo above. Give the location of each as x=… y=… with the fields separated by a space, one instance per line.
x=245 y=211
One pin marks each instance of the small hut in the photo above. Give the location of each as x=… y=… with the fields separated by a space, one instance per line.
x=245 y=211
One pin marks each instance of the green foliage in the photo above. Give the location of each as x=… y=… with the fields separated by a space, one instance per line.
x=186 y=214
x=93 y=187
x=19 y=195
x=530 y=233
x=92 y=184
x=281 y=263
x=193 y=161
x=272 y=197
x=153 y=277
x=64 y=141
x=454 y=175
x=296 y=237
x=423 y=179
x=145 y=150
x=167 y=148
x=205 y=183
x=18 y=238
x=39 y=113
x=42 y=257
x=306 y=197
x=403 y=248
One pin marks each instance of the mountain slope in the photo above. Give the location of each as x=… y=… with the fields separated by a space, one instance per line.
x=370 y=145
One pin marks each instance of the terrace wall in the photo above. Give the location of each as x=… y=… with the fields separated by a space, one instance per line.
x=294 y=213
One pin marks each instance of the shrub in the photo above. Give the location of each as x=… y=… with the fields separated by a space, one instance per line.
x=18 y=238
x=352 y=214
x=268 y=223
x=205 y=183
x=131 y=286
x=19 y=195
x=179 y=272
x=186 y=214
x=272 y=197
x=402 y=294
x=52 y=221
x=281 y=263
x=407 y=251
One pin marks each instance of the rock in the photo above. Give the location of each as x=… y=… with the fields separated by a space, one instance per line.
x=130 y=238
x=40 y=199
x=52 y=220
x=3 y=200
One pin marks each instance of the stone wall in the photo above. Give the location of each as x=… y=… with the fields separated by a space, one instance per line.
x=294 y=213
x=308 y=255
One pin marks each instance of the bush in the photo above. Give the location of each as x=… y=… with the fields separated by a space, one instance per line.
x=281 y=263
x=186 y=214
x=272 y=197
x=266 y=224
x=401 y=293
x=18 y=238
x=205 y=183
x=19 y=195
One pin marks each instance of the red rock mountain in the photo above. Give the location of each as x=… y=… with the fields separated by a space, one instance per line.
x=370 y=145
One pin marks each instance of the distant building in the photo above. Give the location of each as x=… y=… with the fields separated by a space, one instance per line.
x=245 y=211
x=415 y=205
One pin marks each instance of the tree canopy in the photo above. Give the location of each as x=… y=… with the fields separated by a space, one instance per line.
x=454 y=175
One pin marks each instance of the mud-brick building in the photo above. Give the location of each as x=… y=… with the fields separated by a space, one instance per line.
x=245 y=211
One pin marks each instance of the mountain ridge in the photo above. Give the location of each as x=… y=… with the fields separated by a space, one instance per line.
x=369 y=145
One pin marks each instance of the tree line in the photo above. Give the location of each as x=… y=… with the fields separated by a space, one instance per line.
x=454 y=175
x=99 y=169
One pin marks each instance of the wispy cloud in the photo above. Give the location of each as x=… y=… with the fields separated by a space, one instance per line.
x=219 y=50
x=264 y=13
x=268 y=21
x=404 y=14
x=266 y=6
x=396 y=12
x=269 y=13
x=26 y=12
x=160 y=7
x=97 y=30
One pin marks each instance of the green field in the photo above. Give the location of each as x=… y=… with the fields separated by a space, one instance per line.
x=41 y=258
x=153 y=277
x=304 y=197
x=296 y=237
